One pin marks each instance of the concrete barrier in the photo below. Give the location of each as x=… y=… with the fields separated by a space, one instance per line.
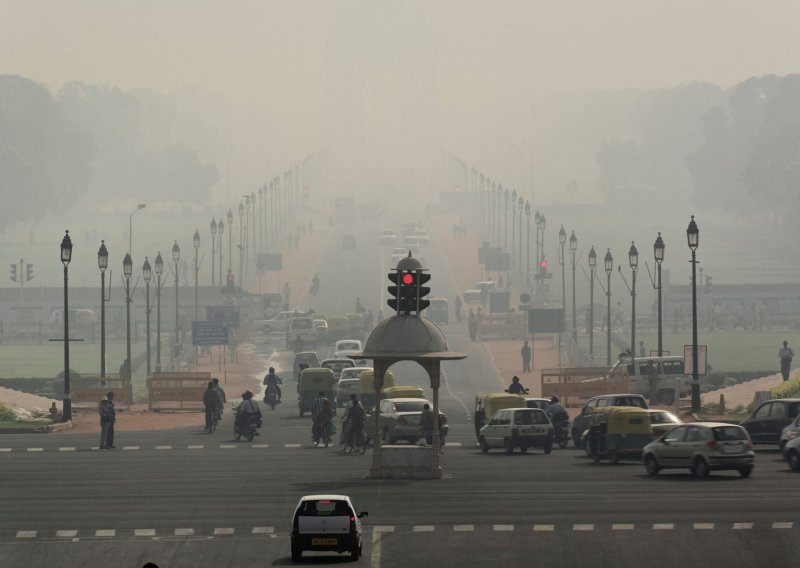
x=408 y=462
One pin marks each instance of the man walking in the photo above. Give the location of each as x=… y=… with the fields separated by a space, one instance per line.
x=108 y=415
x=472 y=325
x=211 y=402
x=526 y=357
x=786 y=355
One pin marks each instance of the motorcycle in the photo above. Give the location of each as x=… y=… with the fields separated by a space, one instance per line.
x=271 y=397
x=561 y=431
x=247 y=427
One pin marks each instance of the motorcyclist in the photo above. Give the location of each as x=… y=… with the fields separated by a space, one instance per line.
x=271 y=380
x=247 y=410
x=222 y=396
x=516 y=387
x=556 y=411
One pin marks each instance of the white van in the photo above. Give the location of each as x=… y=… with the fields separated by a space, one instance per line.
x=670 y=373
x=304 y=327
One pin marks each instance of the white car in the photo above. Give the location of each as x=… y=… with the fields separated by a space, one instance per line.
x=345 y=347
x=326 y=523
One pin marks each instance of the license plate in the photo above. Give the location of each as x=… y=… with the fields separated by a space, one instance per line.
x=323 y=541
x=732 y=449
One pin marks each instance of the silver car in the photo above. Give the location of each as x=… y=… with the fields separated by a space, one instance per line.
x=701 y=447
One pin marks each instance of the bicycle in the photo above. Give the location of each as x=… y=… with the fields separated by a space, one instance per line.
x=350 y=445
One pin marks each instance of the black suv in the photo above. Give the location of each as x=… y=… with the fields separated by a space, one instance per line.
x=768 y=421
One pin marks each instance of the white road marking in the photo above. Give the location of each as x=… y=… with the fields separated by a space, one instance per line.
x=782 y=525
x=703 y=526
x=105 y=533
x=95 y=448
x=739 y=526
x=463 y=528
x=544 y=528
x=583 y=527
x=223 y=531
x=184 y=532
x=144 y=532
x=375 y=557
x=452 y=444
x=67 y=534
x=34 y=449
x=163 y=447
x=261 y=445
x=5 y=449
x=423 y=528
x=67 y=449
x=622 y=527
x=227 y=446
x=663 y=526
x=502 y=527
x=26 y=534
x=263 y=530
x=190 y=447
x=383 y=528
x=131 y=447
x=292 y=445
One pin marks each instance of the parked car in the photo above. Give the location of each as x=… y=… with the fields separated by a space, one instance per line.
x=701 y=447
x=305 y=328
x=400 y=420
x=326 y=523
x=767 y=422
x=279 y=323
x=662 y=422
x=479 y=292
x=788 y=434
x=791 y=451
x=322 y=329
x=338 y=328
x=581 y=422
x=521 y=428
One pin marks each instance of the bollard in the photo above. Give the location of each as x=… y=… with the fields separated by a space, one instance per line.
x=722 y=404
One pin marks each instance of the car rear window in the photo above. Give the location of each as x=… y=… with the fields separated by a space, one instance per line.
x=409 y=406
x=531 y=417
x=302 y=324
x=724 y=433
x=324 y=508
x=672 y=367
x=630 y=401
x=349 y=346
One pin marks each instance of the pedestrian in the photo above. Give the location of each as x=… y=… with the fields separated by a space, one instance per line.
x=211 y=403
x=287 y=292
x=359 y=309
x=125 y=370
x=786 y=355
x=472 y=325
x=652 y=380
x=297 y=344
x=458 y=308
x=642 y=352
x=526 y=357
x=426 y=422
x=108 y=415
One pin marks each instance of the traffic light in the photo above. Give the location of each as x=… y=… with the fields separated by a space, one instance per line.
x=542 y=268
x=422 y=291
x=403 y=292
x=13 y=272
x=305 y=193
x=28 y=272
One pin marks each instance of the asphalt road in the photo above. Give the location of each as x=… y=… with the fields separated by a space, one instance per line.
x=186 y=498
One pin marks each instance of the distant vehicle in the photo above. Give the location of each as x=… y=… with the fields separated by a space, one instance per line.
x=476 y=293
x=279 y=323
x=521 y=428
x=671 y=373
x=422 y=236
x=581 y=422
x=541 y=403
x=305 y=328
x=437 y=311
x=767 y=422
x=326 y=523
x=400 y=419
x=308 y=358
x=345 y=347
x=701 y=447
x=349 y=383
x=337 y=365
x=348 y=242
x=322 y=329
x=400 y=250
x=388 y=237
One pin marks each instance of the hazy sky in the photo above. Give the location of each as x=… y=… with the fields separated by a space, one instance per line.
x=274 y=56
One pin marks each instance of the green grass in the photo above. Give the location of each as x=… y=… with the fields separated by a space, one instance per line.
x=727 y=350
x=47 y=360
x=22 y=424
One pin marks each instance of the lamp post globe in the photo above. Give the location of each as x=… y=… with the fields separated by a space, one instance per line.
x=159 y=267
x=66 y=258
x=562 y=235
x=693 y=239
x=127 y=266
x=608 y=263
x=658 y=254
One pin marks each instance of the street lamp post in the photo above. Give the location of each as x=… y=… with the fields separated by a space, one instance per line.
x=241 y=244
x=562 y=240
x=230 y=240
x=159 y=272
x=213 y=249
x=537 y=218
x=633 y=260
x=520 y=208
x=513 y=226
x=220 y=231
x=254 y=245
x=196 y=244
x=147 y=273
x=693 y=237
x=505 y=221
x=608 y=261
x=130 y=226
x=127 y=270
x=528 y=245
x=102 y=264
x=573 y=248
x=176 y=258
x=592 y=266
x=658 y=252
x=66 y=257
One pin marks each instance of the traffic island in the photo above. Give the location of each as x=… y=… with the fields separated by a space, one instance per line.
x=408 y=462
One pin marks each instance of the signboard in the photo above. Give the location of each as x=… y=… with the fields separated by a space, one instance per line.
x=227 y=315
x=688 y=361
x=583 y=382
x=209 y=333
x=546 y=320
x=497 y=260
x=664 y=352
x=498 y=301
x=269 y=261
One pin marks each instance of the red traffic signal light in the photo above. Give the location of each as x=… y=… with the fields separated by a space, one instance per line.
x=408 y=279
x=543 y=265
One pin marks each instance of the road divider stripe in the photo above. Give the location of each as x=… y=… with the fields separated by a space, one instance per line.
x=184 y=532
x=26 y=534
x=703 y=526
x=500 y=528
x=67 y=449
x=463 y=528
x=583 y=527
x=782 y=525
x=163 y=447
x=544 y=528
x=67 y=534
x=663 y=526
x=622 y=527
x=34 y=450
x=227 y=446
x=384 y=528
x=261 y=445
x=195 y=447
x=132 y=448
x=105 y=533
x=742 y=526
x=144 y=532
x=292 y=445
x=5 y=449
x=423 y=528
x=263 y=530
x=452 y=444
x=223 y=531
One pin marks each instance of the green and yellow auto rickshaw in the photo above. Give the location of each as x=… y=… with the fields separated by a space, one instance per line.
x=367 y=388
x=355 y=326
x=486 y=404
x=618 y=432
x=402 y=392
x=313 y=381
x=338 y=328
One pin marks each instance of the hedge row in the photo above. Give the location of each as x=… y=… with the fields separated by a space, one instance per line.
x=789 y=389
x=6 y=413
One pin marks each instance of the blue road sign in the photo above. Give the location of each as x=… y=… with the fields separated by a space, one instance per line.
x=209 y=333
x=228 y=315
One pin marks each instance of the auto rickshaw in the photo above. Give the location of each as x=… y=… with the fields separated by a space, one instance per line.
x=367 y=388
x=313 y=381
x=618 y=432
x=402 y=392
x=437 y=311
x=355 y=326
x=338 y=328
x=486 y=404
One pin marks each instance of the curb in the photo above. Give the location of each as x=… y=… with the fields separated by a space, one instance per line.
x=56 y=427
